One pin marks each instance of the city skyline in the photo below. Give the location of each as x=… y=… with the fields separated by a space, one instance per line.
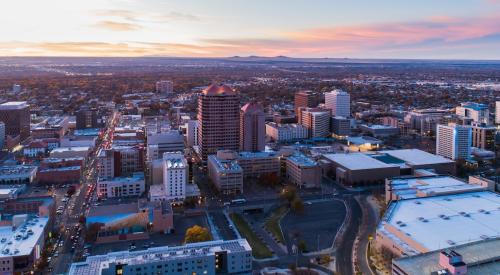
x=462 y=29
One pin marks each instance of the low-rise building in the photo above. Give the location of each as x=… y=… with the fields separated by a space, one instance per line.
x=210 y=258
x=303 y=171
x=36 y=148
x=380 y=130
x=132 y=221
x=255 y=164
x=225 y=172
x=59 y=175
x=420 y=225
x=286 y=132
x=22 y=243
x=476 y=258
x=17 y=174
x=121 y=186
x=11 y=191
x=426 y=186
x=360 y=169
x=70 y=152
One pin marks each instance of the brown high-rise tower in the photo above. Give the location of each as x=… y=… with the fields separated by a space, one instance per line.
x=253 y=128
x=218 y=120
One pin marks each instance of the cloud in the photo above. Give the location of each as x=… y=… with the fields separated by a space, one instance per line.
x=117 y=26
x=436 y=37
x=152 y=17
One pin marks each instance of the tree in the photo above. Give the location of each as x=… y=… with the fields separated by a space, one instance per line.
x=297 y=205
x=289 y=193
x=302 y=246
x=197 y=234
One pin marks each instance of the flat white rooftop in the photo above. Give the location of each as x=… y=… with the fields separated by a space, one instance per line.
x=408 y=188
x=443 y=221
x=23 y=239
x=358 y=161
x=416 y=157
x=13 y=105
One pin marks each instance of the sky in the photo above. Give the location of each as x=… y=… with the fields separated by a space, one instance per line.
x=429 y=29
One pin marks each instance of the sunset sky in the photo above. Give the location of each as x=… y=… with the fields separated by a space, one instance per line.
x=443 y=29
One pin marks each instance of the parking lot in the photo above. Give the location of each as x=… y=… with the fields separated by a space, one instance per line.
x=317 y=226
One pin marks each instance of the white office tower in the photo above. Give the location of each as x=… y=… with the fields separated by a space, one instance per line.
x=165 y=87
x=175 y=173
x=192 y=133
x=453 y=141
x=339 y=102
x=479 y=113
x=497 y=112
x=16 y=88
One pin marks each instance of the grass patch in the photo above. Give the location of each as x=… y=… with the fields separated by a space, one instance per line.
x=259 y=249
x=273 y=224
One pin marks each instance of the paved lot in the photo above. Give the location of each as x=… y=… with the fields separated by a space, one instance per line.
x=174 y=239
x=317 y=226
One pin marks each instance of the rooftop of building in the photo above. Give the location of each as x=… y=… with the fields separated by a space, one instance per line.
x=66 y=149
x=95 y=264
x=261 y=154
x=58 y=160
x=22 y=240
x=216 y=90
x=11 y=189
x=224 y=165
x=416 y=157
x=413 y=187
x=13 y=105
x=443 y=221
x=475 y=106
x=59 y=169
x=252 y=107
x=364 y=140
x=481 y=257
x=87 y=132
x=357 y=161
x=378 y=126
x=132 y=178
x=285 y=126
x=302 y=160
x=17 y=170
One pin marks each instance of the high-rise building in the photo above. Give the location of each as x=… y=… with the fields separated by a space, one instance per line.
x=305 y=99
x=453 y=141
x=341 y=126
x=192 y=133
x=339 y=102
x=16 y=88
x=218 y=120
x=253 y=128
x=317 y=121
x=165 y=87
x=483 y=137
x=86 y=118
x=497 y=112
x=175 y=173
x=479 y=113
x=16 y=116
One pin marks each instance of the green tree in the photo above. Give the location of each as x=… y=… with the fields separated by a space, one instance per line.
x=196 y=234
x=289 y=193
x=297 y=205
